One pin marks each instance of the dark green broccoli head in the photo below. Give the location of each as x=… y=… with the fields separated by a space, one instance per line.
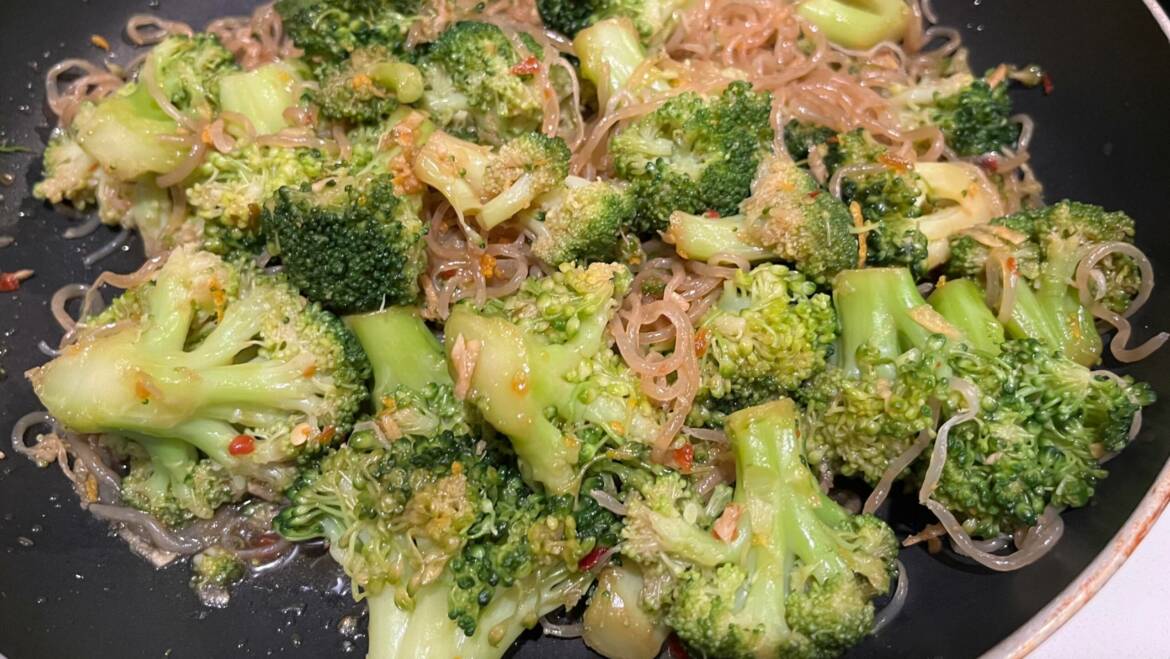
x=694 y=153
x=367 y=87
x=583 y=222
x=651 y=17
x=976 y=120
x=479 y=85
x=352 y=248
x=329 y=31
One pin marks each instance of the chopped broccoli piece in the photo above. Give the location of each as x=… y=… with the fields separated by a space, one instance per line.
x=787 y=217
x=652 y=18
x=1044 y=247
x=367 y=87
x=329 y=31
x=973 y=114
x=492 y=184
x=208 y=361
x=694 y=153
x=785 y=571
x=583 y=222
x=261 y=95
x=858 y=25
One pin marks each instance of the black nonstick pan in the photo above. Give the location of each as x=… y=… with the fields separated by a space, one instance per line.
x=69 y=589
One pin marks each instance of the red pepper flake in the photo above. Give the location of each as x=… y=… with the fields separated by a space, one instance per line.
x=589 y=561
x=10 y=281
x=814 y=194
x=684 y=457
x=711 y=213
x=242 y=445
x=529 y=66
x=675 y=649
x=1046 y=83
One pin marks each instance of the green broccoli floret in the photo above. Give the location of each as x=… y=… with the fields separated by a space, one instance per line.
x=209 y=360
x=973 y=114
x=652 y=18
x=583 y=222
x=769 y=332
x=538 y=367
x=785 y=571
x=214 y=571
x=694 y=154
x=351 y=246
x=479 y=85
x=127 y=132
x=858 y=25
x=910 y=211
x=1044 y=247
x=329 y=31
x=231 y=189
x=70 y=174
x=788 y=217
x=1040 y=423
x=367 y=87
x=492 y=184
x=455 y=553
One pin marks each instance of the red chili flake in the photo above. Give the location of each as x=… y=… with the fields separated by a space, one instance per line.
x=989 y=162
x=684 y=457
x=10 y=281
x=1046 y=82
x=711 y=213
x=675 y=649
x=1012 y=266
x=528 y=67
x=242 y=445
x=814 y=194
x=589 y=561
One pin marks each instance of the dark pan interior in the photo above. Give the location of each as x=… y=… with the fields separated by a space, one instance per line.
x=67 y=589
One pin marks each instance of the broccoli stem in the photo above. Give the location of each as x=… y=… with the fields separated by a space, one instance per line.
x=962 y=303
x=857 y=23
x=402 y=350
x=610 y=52
x=1074 y=328
x=702 y=238
x=874 y=308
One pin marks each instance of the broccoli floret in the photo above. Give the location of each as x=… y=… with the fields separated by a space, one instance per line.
x=583 y=222
x=973 y=114
x=785 y=571
x=367 y=87
x=127 y=132
x=230 y=189
x=538 y=367
x=455 y=553
x=769 y=332
x=787 y=217
x=478 y=84
x=1040 y=423
x=1044 y=247
x=209 y=360
x=329 y=31
x=652 y=18
x=857 y=25
x=261 y=95
x=351 y=246
x=214 y=571
x=694 y=153
x=492 y=184
x=910 y=211
x=70 y=174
